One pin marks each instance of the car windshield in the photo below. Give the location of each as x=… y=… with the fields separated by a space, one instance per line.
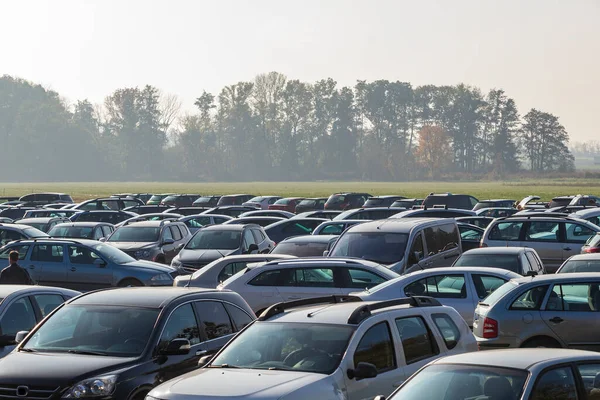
x=82 y=232
x=95 y=329
x=202 y=200
x=300 y=249
x=257 y=199
x=34 y=232
x=219 y=240
x=169 y=199
x=113 y=254
x=37 y=225
x=463 y=382
x=287 y=346
x=308 y=203
x=580 y=266
x=504 y=261
x=381 y=247
x=336 y=198
x=499 y=293
x=135 y=234
x=156 y=197
x=283 y=201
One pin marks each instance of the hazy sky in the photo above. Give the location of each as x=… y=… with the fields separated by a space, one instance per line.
x=544 y=53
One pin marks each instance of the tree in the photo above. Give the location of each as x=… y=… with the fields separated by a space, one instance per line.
x=434 y=151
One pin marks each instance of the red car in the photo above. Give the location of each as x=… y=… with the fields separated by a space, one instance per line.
x=286 y=204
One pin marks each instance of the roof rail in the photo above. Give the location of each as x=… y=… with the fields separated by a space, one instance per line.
x=363 y=312
x=281 y=307
x=443 y=206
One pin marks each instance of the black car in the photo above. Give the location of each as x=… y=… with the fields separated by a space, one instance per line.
x=82 y=230
x=346 y=201
x=118 y=344
x=109 y=203
x=180 y=200
x=147 y=209
x=39 y=199
x=292 y=227
x=407 y=203
x=206 y=201
x=234 y=199
x=110 y=216
x=460 y=201
x=312 y=204
x=15 y=212
x=382 y=201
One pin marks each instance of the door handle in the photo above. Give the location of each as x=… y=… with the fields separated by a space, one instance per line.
x=201 y=352
x=567 y=248
x=73 y=269
x=556 y=320
x=32 y=267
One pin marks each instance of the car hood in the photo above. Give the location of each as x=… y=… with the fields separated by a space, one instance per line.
x=150 y=265
x=130 y=245
x=186 y=255
x=215 y=383
x=40 y=369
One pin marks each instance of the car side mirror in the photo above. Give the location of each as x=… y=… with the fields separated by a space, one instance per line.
x=205 y=360
x=418 y=255
x=379 y=397
x=21 y=335
x=252 y=248
x=168 y=241
x=363 y=370
x=102 y=239
x=180 y=246
x=325 y=253
x=99 y=262
x=177 y=347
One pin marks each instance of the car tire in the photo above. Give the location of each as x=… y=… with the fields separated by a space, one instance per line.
x=130 y=283
x=542 y=342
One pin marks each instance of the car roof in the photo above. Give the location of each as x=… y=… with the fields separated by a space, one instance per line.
x=587 y=256
x=488 y=200
x=519 y=358
x=425 y=211
x=387 y=196
x=15 y=226
x=147 y=297
x=586 y=212
x=309 y=239
x=228 y=227
x=575 y=276
x=396 y=224
x=7 y=290
x=86 y=242
x=147 y=224
x=497 y=250
x=83 y=224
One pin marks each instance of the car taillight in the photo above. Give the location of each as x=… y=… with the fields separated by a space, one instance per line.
x=591 y=250
x=490 y=328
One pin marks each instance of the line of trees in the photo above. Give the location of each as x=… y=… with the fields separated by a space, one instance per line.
x=274 y=128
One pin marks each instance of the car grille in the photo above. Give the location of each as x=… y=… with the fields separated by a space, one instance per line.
x=193 y=267
x=33 y=392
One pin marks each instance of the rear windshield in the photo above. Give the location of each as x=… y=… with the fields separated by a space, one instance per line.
x=375 y=201
x=580 y=266
x=202 y=200
x=283 y=201
x=301 y=249
x=504 y=261
x=336 y=198
x=82 y=232
x=308 y=203
x=135 y=234
x=34 y=232
x=381 y=247
x=499 y=293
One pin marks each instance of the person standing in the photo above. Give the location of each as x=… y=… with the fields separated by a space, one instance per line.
x=14 y=274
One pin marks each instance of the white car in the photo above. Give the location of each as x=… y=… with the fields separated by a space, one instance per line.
x=218 y=271
x=323 y=351
x=458 y=287
x=263 y=285
x=261 y=202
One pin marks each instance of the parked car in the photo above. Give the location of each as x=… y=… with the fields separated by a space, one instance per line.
x=561 y=201
x=151 y=217
x=4 y=220
x=179 y=200
x=531 y=203
x=15 y=212
x=580 y=263
x=497 y=212
x=336 y=227
x=44 y=224
x=206 y=201
x=119 y=344
x=195 y=222
x=286 y=204
x=434 y=212
x=402 y=244
x=232 y=211
x=39 y=199
x=470 y=236
x=108 y=203
x=529 y=374
x=158 y=241
x=449 y=200
x=554 y=239
x=382 y=201
x=262 y=221
x=346 y=201
x=265 y=284
x=311 y=204
x=24 y=306
x=522 y=260
x=234 y=200
x=292 y=227
x=373 y=213
x=185 y=211
x=110 y=216
x=10 y=232
x=213 y=242
x=147 y=209
x=494 y=203
x=267 y=213
x=589 y=214
x=321 y=350
x=546 y=311
x=407 y=203
x=83 y=264
x=261 y=202
x=481 y=222
x=592 y=245
x=6 y=199
x=305 y=246
x=218 y=271
x=325 y=214
x=157 y=198
x=82 y=230
x=458 y=287
x=142 y=196
x=42 y=212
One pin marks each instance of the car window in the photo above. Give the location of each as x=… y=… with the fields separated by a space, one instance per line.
x=557 y=383
x=542 y=231
x=417 y=340
x=214 y=320
x=447 y=328
x=47 y=253
x=19 y=316
x=259 y=237
x=526 y=265
x=301 y=228
x=181 y=325
x=534 y=261
x=333 y=229
x=7 y=236
x=129 y=203
x=376 y=347
x=238 y=316
x=98 y=233
x=486 y=284
x=530 y=299
x=506 y=231
x=48 y=302
x=277 y=277
x=82 y=255
x=230 y=270
x=577 y=233
x=441 y=238
x=248 y=239
x=175 y=233
x=590 y=374
x=417 y=252
x=313 y=277
x=577 y=297
x=362 y=279
x=22 y=249
x=439 y=286
x=167 y=234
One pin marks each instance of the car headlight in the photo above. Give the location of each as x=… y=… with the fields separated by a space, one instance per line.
x=142 y=254
x=94 y=387
x=161 y=278
x=175 y=263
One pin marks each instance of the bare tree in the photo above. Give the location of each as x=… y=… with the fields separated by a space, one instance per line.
x=170 y=107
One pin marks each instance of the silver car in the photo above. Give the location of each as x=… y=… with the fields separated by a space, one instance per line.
x=544 y=311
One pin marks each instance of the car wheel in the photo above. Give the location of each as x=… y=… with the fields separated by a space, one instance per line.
x=542 y=342
x=130 y=283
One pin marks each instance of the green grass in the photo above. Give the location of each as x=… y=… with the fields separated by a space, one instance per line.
x=482 y=190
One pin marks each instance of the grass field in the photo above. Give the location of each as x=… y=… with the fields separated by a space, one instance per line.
x=482 y=190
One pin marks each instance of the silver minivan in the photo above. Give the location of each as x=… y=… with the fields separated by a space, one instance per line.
x=554 y=239
x=404 y=245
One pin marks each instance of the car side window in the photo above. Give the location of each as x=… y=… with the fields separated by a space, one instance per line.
x=417 y=252
x=214 y=320
x=557 y=383
x=107 y=230
x=314 y=277
x=248 y=238
x=175 y=233
x=431 y=240
x=417 y=340
x=506 y=231
x=7 y=236
x=439 y=286
x=19 y=316
x=259 y=237
x=167 y=234
x=47 y=253
x=333 y=229
x=486 y=284
x=182 y=324
x=239 y=317
x=376 y=347
x=48 y=302
x=97 y=234
x=276 y=277
x=577 y=297
x=590 y=373
x=82 y=255
x=542 y=231
x=526 y=264
x=361 y=279
x=448 y=329
x=530 y=299
x=534 y=261
x=22 y=249
x=577 y=233
x=230 y=270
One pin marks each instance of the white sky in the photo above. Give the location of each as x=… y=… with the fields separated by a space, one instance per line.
x=544 y=53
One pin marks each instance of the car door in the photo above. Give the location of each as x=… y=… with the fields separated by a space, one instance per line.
x=168 y=248
x=247 y=241
x=353 y=279
x=447 y=238
x=19 y=315
x=304 y=283
x=216 y=328
x=576 y=235
x=415 y=257
x=418 y=343
x=544 y=237
x=172 y=249
x=261 y=291
x=48 y=264
x=87 y=269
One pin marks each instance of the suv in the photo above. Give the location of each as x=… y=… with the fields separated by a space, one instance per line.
x=158 y=241
x=495 y=203
x=461 y=201
x=10 y=232
x=44 y=224
x=346 y=201
x=547 y=311
x=119 y=344
x=312 y=204
x=82 y=230
x=554 y=239
x=110 y=216
x=235 y=200
x=109 y=203
x=180 y=200
x=206 y=201
x=319 y=349
x=39 y=199
x=403 y=244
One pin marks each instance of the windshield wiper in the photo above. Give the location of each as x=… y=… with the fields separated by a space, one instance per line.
x=224 y=366
x=28 y=350
x=86 y=352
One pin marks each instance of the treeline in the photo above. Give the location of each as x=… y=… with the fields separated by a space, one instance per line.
x=276 y=129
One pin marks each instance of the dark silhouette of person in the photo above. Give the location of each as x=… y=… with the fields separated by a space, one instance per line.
x=14 y=274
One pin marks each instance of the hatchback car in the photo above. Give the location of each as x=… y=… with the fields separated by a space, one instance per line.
x=10 y=232
x=305 y=246
x=44 y=224
x=234 y=200
x=158 y=241
x=261 y=202
x=580 y=263
x=109 y=216
x=336 y=227
x=119 y=344
x=346 y=201
x=82 y=230
x=382 y=201
x=197 y=221
x=292 y=227
x=83 y=264
x=317 y=349
x=312 y=204
x=522 y=260
x=286 y=204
